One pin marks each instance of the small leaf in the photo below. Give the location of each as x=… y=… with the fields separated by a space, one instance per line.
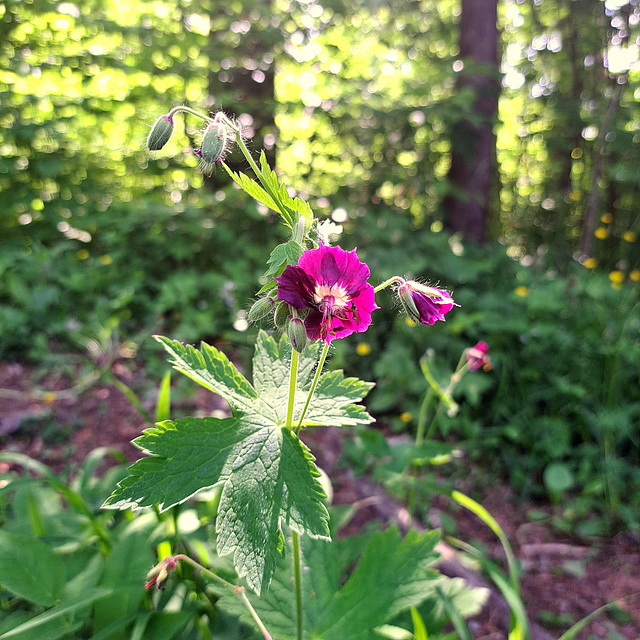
x=282 y=255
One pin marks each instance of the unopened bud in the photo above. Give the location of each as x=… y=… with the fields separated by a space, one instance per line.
x=281 y=315
x=408 y=304
x=261 y=308
x=215 y=142
x=160 y=133
x=297 y=334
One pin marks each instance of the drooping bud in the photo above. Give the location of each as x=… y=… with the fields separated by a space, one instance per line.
x=281 y=315
x=160 y=133
x=424 y=304
x=261 y=308
x=216 y=140
x=159 y=574
x=297 y=334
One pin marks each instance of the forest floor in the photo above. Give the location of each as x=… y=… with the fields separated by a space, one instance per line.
x=564 y=578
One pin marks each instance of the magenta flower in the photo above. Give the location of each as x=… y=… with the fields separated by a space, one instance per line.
x=424 y=304
x=478 y=357
x=332 y=284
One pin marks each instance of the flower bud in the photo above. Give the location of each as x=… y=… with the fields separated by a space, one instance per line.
x=261 y=308
x=409 y=306
x=297 y=334
x=215 y=142
x=160 y=133
x=424 y=304
x=281 y=315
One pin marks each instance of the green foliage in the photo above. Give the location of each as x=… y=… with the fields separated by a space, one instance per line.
x=392 y=575
x=267 y=475
x=76 y=584
x=564 y=384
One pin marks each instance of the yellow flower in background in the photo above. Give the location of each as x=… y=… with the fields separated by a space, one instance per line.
x=616 y=277
x=410 y=322
x=405 y=417
x=635 y=275
x=522 y=291
x=575 y=196
x=590 y=263
x=629 y=236
x=105 y=260
x=83 y=254
x=601 y=233
x=49 y=397
x=363 y=349
x=607 y=218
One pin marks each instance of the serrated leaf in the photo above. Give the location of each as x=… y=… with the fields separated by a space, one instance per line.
x=267 y=475
x=392 y=575
x=282 y=255
x=252 y=188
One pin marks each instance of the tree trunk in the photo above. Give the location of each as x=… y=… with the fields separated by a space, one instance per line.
x=473 y=143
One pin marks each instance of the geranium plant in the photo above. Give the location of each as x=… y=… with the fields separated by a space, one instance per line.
x=271 y=494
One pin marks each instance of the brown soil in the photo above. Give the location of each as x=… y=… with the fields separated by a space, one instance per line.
x=563 y=580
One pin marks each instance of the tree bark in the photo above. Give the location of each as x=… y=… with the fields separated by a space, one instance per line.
x=473 y=142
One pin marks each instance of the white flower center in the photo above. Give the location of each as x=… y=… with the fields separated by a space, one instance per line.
x=338 y=293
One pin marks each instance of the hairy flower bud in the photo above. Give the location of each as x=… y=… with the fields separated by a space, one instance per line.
x=297 y=334
x=160 y=133
x=261 y=308
x=422 y=303
x=216 y=140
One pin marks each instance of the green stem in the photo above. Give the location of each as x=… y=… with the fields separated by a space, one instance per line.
x=293 y=377
x=193 y=112
x=314 y=384
x=388 y=282
x=295 y=537
x=245 y=152
x=297 y=575
x=239 y=591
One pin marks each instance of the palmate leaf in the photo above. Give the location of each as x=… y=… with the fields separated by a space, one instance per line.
x=392 y=575
x=267 y=474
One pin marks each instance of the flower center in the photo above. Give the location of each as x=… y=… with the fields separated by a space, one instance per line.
x=332 y=297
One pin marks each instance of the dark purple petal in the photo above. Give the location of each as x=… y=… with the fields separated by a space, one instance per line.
x=313 y=325
x=295 y=287
x=329 y=270
x=429 y=310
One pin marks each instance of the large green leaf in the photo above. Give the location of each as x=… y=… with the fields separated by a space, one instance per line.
x=268 y=476
x=392 y=575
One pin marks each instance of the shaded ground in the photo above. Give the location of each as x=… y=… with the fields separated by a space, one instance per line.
x=564 y=578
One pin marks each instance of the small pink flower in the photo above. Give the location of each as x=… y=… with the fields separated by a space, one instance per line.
x=332 y=284
x=424 y=304
x=478 y=357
